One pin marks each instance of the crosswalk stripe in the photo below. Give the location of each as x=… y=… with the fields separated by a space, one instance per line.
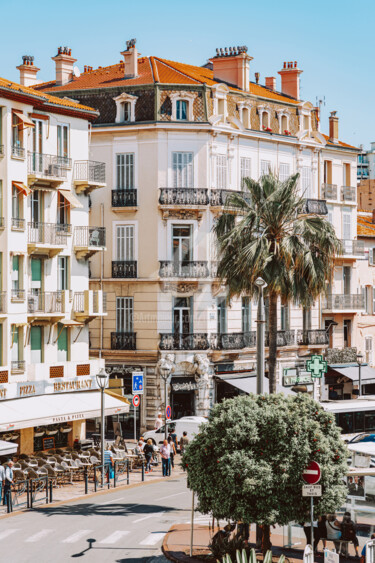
x=149 y=516
x=77 y=536
x=113 y=538
x=153 y=538
x=5 y=533
x=38 y=536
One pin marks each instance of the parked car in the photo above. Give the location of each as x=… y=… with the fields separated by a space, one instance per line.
x=189 y=424
x=363 y=437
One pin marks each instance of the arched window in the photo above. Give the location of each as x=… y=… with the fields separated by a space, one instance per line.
x=246 y=118
x=126 y=111
x=265 y=120
x=181 y=110
x=284 y=124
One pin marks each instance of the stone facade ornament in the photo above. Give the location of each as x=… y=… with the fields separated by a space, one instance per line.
x=180 y=287
x=166 y=361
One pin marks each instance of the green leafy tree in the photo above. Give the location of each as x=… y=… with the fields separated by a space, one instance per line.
x=246 y=463
x=275 y=238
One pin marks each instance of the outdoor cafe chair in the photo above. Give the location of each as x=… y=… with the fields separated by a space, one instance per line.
x=52 y=475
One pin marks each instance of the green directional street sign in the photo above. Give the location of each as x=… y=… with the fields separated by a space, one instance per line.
x=316 y=366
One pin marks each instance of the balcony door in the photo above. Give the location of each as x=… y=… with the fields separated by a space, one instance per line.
x=125 y=243
x=36 y=278
x=125 y=171
x=124 y=314
x=347 y=232
x=37 y=145
x=346 y=279
x=182 y=248
x=182 y=317
x=36 y=344
x=221 y=315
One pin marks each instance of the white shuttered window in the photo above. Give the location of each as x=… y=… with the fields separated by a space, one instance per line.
x=125 y=171
x=346 y=226
x=284 y=171
x=182 y=163
x=306 y=182
x=221 y=172
x=265 y=166
x=125 y=242
x=245 y=169
x=124 y=314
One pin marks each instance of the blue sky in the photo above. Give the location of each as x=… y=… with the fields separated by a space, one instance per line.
x=331 y=40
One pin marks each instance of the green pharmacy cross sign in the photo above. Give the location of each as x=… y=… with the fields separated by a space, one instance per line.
x=316 y=366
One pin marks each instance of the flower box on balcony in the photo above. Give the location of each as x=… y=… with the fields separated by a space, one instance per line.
x=286 y=132
x=267 y=129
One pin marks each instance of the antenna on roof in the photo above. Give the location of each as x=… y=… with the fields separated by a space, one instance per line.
x=320 y=102
x=76 y=72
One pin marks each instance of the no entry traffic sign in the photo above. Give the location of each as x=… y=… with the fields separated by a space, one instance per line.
x=136 y=401
x=168 y=412
x=311 y=475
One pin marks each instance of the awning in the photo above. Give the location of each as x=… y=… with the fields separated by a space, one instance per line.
x=8 y=448
x=248 y=384
x=55 y=409
x=70 y=322
x=71 y=198
x=25 y=190
x=352 y=372
x=117 y=396
x=24 y=118
x=366 y=448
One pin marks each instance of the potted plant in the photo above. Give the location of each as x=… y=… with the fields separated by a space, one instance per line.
x=267 y=129
x=39 y=432
x=287 y=132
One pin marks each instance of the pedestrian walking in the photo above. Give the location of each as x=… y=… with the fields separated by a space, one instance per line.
x=8 y=481
x=148 y=450
x=307 y=530
x=184 y=441
x=348 y=533
x=322 y=532
x=2 y=479
x=333 y=530
x=158 y=421
x=165 y=453
x=173 y=435
x=108 y=463
x=172 y=453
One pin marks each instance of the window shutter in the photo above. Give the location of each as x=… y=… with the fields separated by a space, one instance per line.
x=306 y=181
x=221 y=172
x=284 y=172
x=36 y=338
x=346 y=227
x=265 y=166
x=62 y=343
x=124 y=314
x=245 y=170
x=371 y=256
x=36 y=269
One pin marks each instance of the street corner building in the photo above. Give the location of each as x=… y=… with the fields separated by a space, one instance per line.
x=175 y=139
x=48 y=388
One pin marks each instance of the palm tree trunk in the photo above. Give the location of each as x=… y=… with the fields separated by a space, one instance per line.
x=272 y=349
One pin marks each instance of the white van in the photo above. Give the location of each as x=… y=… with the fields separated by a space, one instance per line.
x=189 y=424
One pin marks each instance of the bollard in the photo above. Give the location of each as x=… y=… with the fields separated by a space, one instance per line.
x=94 y=480
x=27 y=494
x=143 y=471
x=9 y=501
x=87 y=481
x=114 y=476
x=47 y=489
x=31 y=493
x=50 y=491
x=127 y=472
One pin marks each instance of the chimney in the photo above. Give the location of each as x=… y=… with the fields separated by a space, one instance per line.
x=232 y=65
x=271 y=82
x=257 y=75
x=315 y=112
x=130 y=59
x=64 y=65
x=333 y=127
x=28 y=71
x=290 y=79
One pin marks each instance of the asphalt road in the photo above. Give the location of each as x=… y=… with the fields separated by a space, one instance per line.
x=119 y=526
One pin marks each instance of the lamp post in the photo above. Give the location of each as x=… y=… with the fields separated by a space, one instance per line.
x=165 y=373
x=359 y=362
x=102 y=381
x=261 y=285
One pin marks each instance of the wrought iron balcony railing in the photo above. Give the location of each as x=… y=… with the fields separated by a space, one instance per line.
x=64 y=161
x=171 y=341
x=18 y=224
x=342 y=302
x=185 y=269
x=85 y=237
x=123 y=341
x=18 y=152
x=124 y=269
x=45 y=165
x=348 y=193
x=330 y=191
x=353 y=247
x=18 y=295
x=219 y=197
x=90 y=171
x=46 y=233
x=183 y=196
x=124 y=198
x=45 y=302
x=284 y=338
x=312 y=337
x=17 y=366
x=316 y=206
x=233 y=341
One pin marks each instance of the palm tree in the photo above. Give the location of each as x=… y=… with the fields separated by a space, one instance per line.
x=266 y=231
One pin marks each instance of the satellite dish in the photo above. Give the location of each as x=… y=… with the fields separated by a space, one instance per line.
x=76 y=72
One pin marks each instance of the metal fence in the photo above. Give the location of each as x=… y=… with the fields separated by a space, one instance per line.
x=46 y=233
x=46 y=165
x=124 y=198
x=123 y=341
x=124 y=269
x=184 y=269
x=89 y=170
x=183 y=196
x=45 y=302
x=89 y=236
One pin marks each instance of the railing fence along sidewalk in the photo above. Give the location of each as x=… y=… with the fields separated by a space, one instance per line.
x=47 y=165
x=89 y=236
x=89 y=170
x=28 y=492
x=46 y=233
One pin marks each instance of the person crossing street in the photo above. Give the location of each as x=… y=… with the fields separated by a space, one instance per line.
x=165 y=452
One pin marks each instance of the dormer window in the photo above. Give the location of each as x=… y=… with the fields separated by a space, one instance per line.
x=283 y=117
x=264 y=118
x=125 y=108
x=219 y=103
x=182 y=106
x=244 y=110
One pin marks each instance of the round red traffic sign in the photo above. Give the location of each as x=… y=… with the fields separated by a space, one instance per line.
x=311 y=475
x=168 y=412
x=136 y=400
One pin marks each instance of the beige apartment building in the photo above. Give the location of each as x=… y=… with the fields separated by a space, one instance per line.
x=175 y=138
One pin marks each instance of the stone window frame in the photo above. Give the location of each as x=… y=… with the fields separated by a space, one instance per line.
x=261 y=110
x=120 y=101
x=280 y=114
x=305 y=111
x=241 y=107
x=220 y=92
x=187 y=97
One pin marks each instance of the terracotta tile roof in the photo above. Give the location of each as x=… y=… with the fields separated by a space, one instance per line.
x=151 y=70
x=365 y=227
x=44 y=99
x=340 y=144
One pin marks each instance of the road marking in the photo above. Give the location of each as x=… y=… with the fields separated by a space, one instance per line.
x=113 y=538
x=38 y=536
x=153 y=538
x=77 y=536
x=7 y=533
x=175 y=495
x=149 y=516
x=110 y=501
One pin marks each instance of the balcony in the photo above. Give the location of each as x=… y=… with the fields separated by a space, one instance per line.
x=88 y=241
x=124 y=200
x=218 y=197
x=123 y=341
x=283 y=338
x=45 y=170
x=309 y=337
x=17 y=224
x=188 y=269
x=18 y=295
x=353 y=248
x=88 y=305
x=47 y=305
x=233 y=341
x=197 y=341
x=346 y=303
x=17 y=366
x=348 y=193
x=18 y=152
x=88 y=175
x=316 y=206
x=45 y=238
x=124 y=269
x=330 y=191
x=177 y=197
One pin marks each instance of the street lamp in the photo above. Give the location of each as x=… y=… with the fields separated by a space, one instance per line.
x=102 y=381
x=261 y=285
x=165 y=373
x=359 y=362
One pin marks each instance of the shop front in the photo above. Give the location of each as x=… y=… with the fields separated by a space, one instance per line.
x=342 y=381
x=183 y=396
x=121 y=383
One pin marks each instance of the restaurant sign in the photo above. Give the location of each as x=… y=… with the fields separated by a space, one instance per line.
x=46 y=387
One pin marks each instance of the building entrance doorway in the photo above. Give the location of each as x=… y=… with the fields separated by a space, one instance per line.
x=182 y=404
